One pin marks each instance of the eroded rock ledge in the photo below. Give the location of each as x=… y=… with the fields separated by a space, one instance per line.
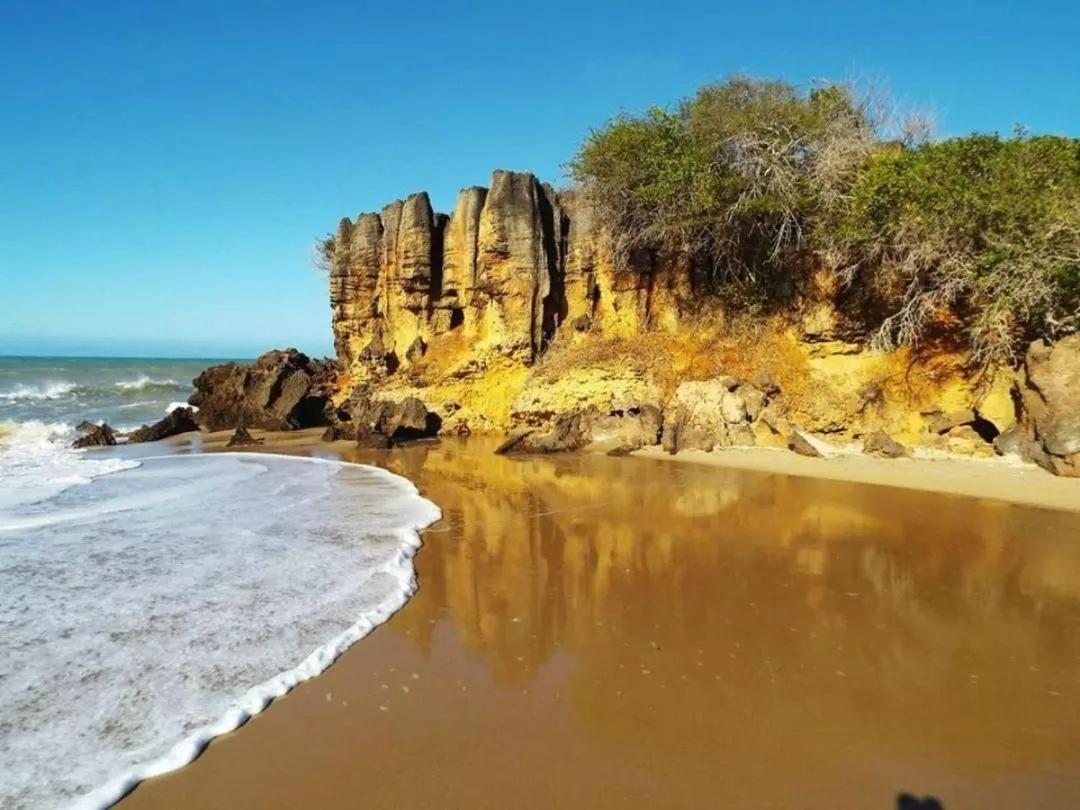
x=510 y=267
x=515 y=315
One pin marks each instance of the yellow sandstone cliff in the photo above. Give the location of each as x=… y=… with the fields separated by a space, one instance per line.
x=515 y=309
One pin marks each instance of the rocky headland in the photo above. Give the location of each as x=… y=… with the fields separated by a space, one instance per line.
x=516 y=315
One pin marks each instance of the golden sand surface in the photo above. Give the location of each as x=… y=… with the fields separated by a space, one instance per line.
x=627 y=632
x=994 y=478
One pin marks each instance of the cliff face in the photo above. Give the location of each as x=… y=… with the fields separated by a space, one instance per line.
x=508 y=269
x=513 y=312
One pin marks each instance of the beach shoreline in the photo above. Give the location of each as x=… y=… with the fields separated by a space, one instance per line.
x=1003 y=479
x=995 y=479
x=611 y=632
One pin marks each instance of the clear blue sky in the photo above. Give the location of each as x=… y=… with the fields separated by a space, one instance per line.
x=165 y=167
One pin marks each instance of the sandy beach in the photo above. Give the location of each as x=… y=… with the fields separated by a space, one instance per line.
x=994 y=479
x=630 y=632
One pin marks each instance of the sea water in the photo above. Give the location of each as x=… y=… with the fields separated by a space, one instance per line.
x=150 y=601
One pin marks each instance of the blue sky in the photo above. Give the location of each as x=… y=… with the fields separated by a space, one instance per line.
x=165 y=167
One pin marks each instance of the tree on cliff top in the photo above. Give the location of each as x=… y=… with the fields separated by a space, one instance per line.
x=984 y=228
x=737 y=174
x=980 y=234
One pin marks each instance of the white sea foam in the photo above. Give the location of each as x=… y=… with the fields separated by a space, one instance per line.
x=47 y=390
x=172 y=406
x=150 y=611
x=144 y=382
x=37 y=463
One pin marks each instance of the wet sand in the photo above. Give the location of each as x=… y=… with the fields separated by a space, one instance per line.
x=627 y=632
x=994 y=478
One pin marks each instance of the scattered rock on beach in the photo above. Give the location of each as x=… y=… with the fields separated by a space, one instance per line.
x=242 y=438
x=568 y=433
x=178 y=420
x=879 y=443
x=94 y=435
x=623 y=431
x=942 y=423
x=383 y=423
x=798 y=443
x=615 y=431
x=339 y=431
x=368 y=439
x=720 y=412
x=1016 y=442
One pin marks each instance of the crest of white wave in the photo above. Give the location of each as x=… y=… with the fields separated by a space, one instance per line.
x=177 y=599
x=143 y=382
x=51 y=389
x=37 y=463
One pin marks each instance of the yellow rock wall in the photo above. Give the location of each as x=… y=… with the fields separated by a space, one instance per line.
x=515 y=308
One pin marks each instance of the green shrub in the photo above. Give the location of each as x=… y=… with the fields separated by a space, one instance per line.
x=982 y=227
x=752 y=177
x=736 y=175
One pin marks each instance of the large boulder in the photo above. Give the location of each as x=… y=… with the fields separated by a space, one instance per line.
x=570 y=431
x=94 y=435
x=407 y=420
x=1049 y=394
x=382 y=423
x=615 y=432
x=620 y=432
x=879 y=443
x=714 y=413
x=282 y=390
x=178 y=420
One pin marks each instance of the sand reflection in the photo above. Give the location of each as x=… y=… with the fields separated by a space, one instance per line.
x=770 y=621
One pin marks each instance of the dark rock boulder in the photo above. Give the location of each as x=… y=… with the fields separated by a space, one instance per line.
x=1049 y=393
x=941 y=423
x=94 y=435
x=621 y=432
x=569 y=432
x=721 y=412
x=242 y=438
x=1017 y=442
x=339 y=431
x=616 y=431
x=375 y=423
x=798 y=443
x=879 y=443
x=282 y=390
x=179 y=420
x=407 y=420
x=369 y=439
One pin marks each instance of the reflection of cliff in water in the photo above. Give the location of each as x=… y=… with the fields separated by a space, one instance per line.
x=806 y=614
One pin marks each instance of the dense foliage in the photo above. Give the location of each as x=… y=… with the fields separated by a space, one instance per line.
x=984 y=227
x=736 y=174
x=754 y=177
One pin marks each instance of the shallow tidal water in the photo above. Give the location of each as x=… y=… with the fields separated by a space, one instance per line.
x=600 y=632
x=149 y=606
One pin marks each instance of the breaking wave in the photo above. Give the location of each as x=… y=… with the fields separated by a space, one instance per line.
x=42 y=391
x=145 y=383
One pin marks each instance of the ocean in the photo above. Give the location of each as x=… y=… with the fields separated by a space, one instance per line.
x=151 y=600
